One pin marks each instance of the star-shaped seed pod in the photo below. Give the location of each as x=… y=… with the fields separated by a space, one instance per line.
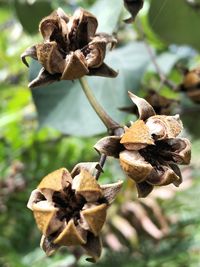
x=70 y=209
x=150 y=149
x=133 y=6
x=71 y=48
x=191 y=84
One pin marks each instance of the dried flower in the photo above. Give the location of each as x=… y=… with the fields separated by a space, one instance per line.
x=191 y=84
x=150 y=148
x=70 y=209
x=71 y=48
x=133 y=6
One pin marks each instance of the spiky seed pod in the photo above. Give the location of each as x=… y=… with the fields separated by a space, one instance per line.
x=150 y=149
x=71 y=48
x=70 y=209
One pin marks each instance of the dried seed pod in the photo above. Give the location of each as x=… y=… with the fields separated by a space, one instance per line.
x=71 y=48
x=72 y=211
x=150 y=149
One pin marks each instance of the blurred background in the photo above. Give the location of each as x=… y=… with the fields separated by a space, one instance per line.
x=54 y=126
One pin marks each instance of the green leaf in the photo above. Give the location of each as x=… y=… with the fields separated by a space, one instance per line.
x=63 y=105
x=107 y=13
x=30 y=14
x=176 y=22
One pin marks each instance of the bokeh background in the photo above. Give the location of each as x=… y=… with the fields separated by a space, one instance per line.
x=55 y=127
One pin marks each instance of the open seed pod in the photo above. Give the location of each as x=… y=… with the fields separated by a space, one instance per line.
x=150 y=149
x=71 y=48
x=70 y=210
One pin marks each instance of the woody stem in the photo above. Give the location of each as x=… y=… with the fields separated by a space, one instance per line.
x=110 y=124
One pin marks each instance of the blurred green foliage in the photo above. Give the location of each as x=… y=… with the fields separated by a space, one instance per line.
x=39 y=151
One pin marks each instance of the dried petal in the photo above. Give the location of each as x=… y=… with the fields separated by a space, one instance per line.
x=145 y=110
x=54 y=24
x=109 y=145
x=134 y=165
x=48 y=246
x=91 y=167
x=56 y=180
x=86 y=185
x=106 y=38
x=75 y=66
x=144 y=189
x=163 y=176
x=50 y=57
x=71 y=236
x=104 y=71
x=45 y=216
x=35 y=197
x=110 y=191
x=96 y=55
x=133 y=6
x=137 y=136
x=180 y=150
x=93 y=247
x=162 y=127
x=177 y=171
x=82 y=27
x=95 y=217
x=29 y=52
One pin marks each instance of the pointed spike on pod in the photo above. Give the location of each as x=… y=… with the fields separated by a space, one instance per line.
x=110 y=191
x=93 y=247
x=48 y=247
x=29 y=52
x=145 y=110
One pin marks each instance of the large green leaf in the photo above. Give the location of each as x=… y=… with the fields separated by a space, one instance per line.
x=30 y=14
x=108 y=13
x=63 y=105
x=176 y=22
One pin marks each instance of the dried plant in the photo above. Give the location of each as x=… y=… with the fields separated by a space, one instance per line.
x=71 y=48
x=70 y=208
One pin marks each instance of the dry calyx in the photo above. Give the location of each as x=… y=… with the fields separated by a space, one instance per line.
x=70 y=209
x=71 y=48
x=150 y=148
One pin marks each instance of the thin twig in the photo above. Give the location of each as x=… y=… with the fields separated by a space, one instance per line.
x=163 y=78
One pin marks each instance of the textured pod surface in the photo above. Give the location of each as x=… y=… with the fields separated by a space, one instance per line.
x=71 y=48
x=72 y=211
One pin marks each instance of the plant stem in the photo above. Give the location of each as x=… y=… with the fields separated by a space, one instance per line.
x=112 y=126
